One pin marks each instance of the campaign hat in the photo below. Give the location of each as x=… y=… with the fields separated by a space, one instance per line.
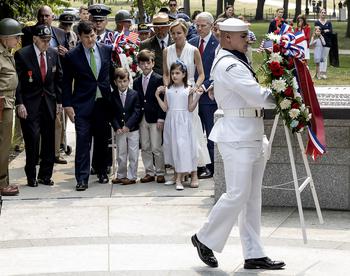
x=160 y=19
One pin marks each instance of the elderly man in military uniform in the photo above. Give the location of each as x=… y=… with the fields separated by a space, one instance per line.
x=10 y=32
x=99 y=14
x=239 y=135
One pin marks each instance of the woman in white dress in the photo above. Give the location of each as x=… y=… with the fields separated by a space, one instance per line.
x=190 y=56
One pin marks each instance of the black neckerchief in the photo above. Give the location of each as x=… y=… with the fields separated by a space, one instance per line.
x=243 y=58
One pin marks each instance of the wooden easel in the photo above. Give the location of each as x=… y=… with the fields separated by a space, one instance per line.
x=308 y=180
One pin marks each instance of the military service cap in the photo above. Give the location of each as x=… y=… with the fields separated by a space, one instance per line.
x=67 y=18
x=143 y=28
x=42 y=31
x=99 y=11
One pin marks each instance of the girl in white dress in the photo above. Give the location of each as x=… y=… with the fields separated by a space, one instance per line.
x=179 y=143
x=190 y=56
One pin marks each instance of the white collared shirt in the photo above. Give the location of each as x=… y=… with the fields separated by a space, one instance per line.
x=165 y=39
x=122 y=93
x=206 y=40
x=102 y=37
x=146 y=76
x=37 y=52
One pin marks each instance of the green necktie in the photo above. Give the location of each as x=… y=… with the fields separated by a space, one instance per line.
x=94 y=70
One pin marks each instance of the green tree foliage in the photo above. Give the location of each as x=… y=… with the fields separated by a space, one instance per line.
x=150 y=6
x=26 y=9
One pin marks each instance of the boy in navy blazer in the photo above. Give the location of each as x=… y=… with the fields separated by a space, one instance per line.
x=152 y=122
x=126 y=115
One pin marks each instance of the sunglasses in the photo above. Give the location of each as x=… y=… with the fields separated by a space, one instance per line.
x=172 y=5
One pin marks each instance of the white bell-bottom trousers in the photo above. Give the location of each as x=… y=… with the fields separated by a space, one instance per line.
x=244 y=166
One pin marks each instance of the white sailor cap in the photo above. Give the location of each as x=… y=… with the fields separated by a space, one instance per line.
x=233 y=25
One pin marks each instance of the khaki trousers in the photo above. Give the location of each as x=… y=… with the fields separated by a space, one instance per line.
x=127 y=149
x=151 y=145
x=5 y=144
x=58 y=134
x=17 y=139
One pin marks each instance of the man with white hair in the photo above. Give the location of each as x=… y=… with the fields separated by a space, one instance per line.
x=206 y=43
x=239 y=136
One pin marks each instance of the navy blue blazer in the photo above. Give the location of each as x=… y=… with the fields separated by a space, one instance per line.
x=207 y=60
x=77 y=68
x=149 y=104
x=128 y=115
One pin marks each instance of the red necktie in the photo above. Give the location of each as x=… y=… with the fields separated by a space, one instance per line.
x=42 y=66
x=201 y=47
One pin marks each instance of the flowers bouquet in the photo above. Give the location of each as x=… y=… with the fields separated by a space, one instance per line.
x=124 y=53
x=279 y=75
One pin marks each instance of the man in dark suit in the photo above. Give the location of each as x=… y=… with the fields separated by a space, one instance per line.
x=207 y=44
x=58 y=36
x=38 y=98
x=152 y=122
x=159 y=41
x=87 y=105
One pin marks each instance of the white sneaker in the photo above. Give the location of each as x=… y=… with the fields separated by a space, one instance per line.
x=179 y=186
x=324 y=77
x=169 y=182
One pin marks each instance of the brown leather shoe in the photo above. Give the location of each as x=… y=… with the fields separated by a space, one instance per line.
x=147 y=178
x=9 y=191
x=127 y=181
x=118 y=180
x=160 y=179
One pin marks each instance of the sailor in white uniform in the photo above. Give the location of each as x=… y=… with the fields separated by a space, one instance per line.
x=239 y=136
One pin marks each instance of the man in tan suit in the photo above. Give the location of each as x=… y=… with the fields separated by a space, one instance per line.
x=10 y=32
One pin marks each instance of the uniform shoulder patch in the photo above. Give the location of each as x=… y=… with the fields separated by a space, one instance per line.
x=231 y=66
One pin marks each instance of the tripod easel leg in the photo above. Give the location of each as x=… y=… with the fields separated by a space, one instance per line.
x=308 y=172
x=296 y=184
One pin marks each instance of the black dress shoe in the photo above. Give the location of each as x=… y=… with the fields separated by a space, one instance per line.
x=92 y=171
x=205 y=174
x=263 y=263
x=32 y=183
x=204 y=253
x=46 y=181
x=81 y=186
x=103 y=178
x=60 y=160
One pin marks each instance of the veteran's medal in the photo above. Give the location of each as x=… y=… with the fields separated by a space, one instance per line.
x=30 y=74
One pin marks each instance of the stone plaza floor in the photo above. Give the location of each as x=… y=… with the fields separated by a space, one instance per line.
x=145 y=229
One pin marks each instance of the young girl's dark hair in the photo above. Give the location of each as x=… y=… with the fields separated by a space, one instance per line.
x=182 y=67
